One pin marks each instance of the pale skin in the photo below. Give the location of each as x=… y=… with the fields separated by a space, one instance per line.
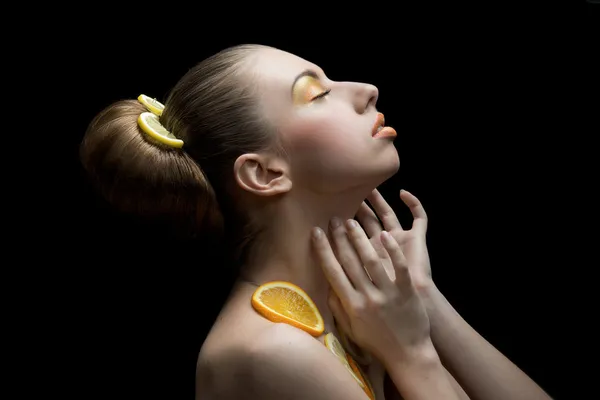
x=385 y=316
x=482 y=371
x=327 y=141
x=327 y=175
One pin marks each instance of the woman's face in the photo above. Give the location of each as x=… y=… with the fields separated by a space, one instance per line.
x=325 y=126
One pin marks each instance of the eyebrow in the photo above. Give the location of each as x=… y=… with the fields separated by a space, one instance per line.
x=307 y=72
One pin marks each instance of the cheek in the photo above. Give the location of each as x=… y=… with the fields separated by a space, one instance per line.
x=322 y=153
x=323 y=135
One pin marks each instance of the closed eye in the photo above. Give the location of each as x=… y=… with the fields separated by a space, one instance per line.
x=320 y=95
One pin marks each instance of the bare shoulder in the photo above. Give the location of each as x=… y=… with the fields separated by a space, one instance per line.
x=246 y=356
x=286 y=362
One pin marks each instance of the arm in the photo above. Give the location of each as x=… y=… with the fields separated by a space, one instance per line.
x=286 y=363
x=462 y=395
x=482 y=370
x=421 y=375
x=391 y=393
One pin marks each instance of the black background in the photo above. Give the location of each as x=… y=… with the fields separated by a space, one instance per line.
x=487 y=102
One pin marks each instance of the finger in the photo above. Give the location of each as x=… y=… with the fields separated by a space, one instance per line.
x=347 y=256
x=331 y=268
x=385 y=213
x=369 y=257
x=338 y=311
x=403 y=279
x=416 y=209
x=368 y=219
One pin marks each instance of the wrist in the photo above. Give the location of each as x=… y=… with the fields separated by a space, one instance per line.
x=428 y=293
x=439 y=310
x=423 y=283
x=420 y=375
x=418 y=356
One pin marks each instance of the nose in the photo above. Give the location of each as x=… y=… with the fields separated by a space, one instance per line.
x=365 y=96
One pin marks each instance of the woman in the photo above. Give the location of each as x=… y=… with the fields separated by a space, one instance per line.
x=263 y=148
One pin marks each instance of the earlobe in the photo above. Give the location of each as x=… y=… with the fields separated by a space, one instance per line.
x=262 y=175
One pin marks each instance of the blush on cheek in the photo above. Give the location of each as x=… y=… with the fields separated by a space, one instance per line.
x=319 y=135
x=318 y=142
x=327 y=156
x=302 y=136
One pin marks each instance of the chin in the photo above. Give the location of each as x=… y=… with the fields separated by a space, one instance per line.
x=386 y=168
x=391 y=163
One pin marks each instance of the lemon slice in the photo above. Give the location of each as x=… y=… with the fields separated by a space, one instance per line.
x=155 y=106
x=151 y=125
x=334 y=345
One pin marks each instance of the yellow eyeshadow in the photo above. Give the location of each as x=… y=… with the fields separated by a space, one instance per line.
x=306 y=89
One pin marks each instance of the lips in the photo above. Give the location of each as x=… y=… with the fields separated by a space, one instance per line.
x=380 y=130
x=379 y=123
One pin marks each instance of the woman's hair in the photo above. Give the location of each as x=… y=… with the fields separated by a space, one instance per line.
x=214 y=109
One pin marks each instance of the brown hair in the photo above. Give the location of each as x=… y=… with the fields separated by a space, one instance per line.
x=214 y=109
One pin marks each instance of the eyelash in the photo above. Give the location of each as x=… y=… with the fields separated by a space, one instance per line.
x=325 y=93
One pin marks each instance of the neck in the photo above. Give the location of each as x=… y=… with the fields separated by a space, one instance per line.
x=285 y=252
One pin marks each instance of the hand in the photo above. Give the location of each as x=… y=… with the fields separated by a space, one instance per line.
x=412 y=242
x=383 y=316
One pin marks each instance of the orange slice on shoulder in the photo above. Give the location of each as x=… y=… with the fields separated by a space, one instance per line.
x=281 y=301
x=361 y=377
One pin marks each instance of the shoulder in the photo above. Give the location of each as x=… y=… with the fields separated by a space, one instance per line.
x=286 y=362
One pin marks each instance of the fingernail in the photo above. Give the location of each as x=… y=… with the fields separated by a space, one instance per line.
x=335 y=222
x=352 y=223
x=317 y=233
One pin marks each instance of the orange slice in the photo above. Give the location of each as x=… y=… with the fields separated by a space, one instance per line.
x=359 y=355
x=361 y=376
x=281 y=301
x=334 y=345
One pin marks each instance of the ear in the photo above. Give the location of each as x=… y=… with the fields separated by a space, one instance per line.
x=261 y=174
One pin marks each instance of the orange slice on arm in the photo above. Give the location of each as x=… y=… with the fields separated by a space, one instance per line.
x=281 y=301
x=334 y=345
x=360 y=375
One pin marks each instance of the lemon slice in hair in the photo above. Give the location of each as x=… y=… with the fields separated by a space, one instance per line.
x=153 y=105
x=151 y=125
